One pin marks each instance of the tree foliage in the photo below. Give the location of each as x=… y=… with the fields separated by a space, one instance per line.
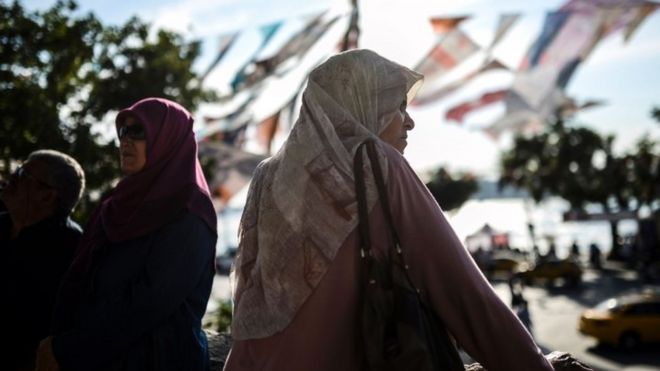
x=62 y=73
x=579 y=165
x=451 y=191
x=655 y=113
x=41 y=55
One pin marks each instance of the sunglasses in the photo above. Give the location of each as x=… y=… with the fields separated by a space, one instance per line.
x=134 y=132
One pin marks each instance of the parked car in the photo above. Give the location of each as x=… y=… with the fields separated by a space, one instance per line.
x=502 y=268
x=224 y=261
x=551 y=271
x=626 y=321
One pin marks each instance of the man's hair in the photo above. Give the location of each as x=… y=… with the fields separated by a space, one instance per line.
x=65 y=175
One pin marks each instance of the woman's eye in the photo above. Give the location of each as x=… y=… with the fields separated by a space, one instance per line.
x=403 y=106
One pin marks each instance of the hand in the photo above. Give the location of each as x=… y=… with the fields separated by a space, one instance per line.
x=45 y=358
x=562 y=361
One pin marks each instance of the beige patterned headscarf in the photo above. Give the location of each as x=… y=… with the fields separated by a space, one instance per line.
x=301 y=204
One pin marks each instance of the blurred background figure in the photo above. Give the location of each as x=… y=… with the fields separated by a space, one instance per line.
x=574 y=253
x=37 y=242
x=519 y=304
x=552 y=252
x=595 y=256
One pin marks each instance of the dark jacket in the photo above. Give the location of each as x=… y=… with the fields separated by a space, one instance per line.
x=31 y=267
x=144 y=304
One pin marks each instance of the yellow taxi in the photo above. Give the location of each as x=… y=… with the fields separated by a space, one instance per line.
x=625 y=321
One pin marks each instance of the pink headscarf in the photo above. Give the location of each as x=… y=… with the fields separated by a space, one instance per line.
x=171 y=180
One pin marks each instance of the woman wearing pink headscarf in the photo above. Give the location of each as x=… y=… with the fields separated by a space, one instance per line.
x=135 y=295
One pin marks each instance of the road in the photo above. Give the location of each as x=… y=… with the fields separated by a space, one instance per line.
x=555 y=311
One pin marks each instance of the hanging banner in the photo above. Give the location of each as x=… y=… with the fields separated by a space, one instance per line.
x=554 y=21
x=426 y=96
x=235 y=119
x=571 y=107
x=443 y=25
x=266 y=132
x=231 y=168
x=296 y=47
x=267 y=33
x=640 y=14
x=504 y=24
x=554 y=64
x=225 y=42
x=520 y=122
x=457 y=113
x=449 y=52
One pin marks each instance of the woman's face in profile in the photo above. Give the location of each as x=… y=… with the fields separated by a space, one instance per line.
x=132 y=146
x=397 y=127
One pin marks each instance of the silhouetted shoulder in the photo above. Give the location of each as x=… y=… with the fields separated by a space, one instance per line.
x=189 y=223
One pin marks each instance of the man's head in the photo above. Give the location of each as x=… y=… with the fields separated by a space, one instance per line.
x=49 y=183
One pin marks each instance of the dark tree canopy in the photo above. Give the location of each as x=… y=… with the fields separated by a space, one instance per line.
x=656 y=114
x=451 y=191
x=578 y=165
x=61 y=73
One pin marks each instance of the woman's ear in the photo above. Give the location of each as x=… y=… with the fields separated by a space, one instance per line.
x=49 y=198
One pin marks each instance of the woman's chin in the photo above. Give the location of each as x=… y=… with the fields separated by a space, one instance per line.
x=128 y=168
x=401 y=146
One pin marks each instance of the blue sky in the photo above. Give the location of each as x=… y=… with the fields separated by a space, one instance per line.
x=625 y=76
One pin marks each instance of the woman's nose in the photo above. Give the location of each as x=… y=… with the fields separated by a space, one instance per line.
x=409 y=123
x=125 y=142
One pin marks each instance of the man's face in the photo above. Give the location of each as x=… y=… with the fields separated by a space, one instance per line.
x=29 y=192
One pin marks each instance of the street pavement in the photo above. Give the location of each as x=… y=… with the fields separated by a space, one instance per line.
x=555 y=312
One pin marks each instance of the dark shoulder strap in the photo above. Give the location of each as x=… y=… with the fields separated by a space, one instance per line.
x=382 y=192
x=361 y=195
x=360 y=190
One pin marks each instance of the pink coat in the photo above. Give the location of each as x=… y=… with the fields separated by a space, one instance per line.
x=323 y=334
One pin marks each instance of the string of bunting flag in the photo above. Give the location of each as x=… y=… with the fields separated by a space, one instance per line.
x=566 y=39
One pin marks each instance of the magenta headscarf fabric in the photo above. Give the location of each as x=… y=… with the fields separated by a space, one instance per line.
x=171 y=181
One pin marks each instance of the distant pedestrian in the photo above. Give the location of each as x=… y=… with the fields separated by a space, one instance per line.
x=519 y=304
x=522 y=311
x=536 y=253
x=595 y=256
x=551 y=255
x=575 y=252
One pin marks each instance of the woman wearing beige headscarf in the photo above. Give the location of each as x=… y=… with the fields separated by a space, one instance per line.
x=296 y=274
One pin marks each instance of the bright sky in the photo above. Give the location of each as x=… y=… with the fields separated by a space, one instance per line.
x=625 y=76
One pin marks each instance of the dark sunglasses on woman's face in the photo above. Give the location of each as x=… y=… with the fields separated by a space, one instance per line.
x=134 y=132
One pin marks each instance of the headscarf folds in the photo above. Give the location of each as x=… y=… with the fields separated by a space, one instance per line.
x=171 y=180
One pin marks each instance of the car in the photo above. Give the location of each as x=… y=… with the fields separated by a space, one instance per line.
x=626 y=321
x=502 y=268
x=224 y=261
x=551 y=271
